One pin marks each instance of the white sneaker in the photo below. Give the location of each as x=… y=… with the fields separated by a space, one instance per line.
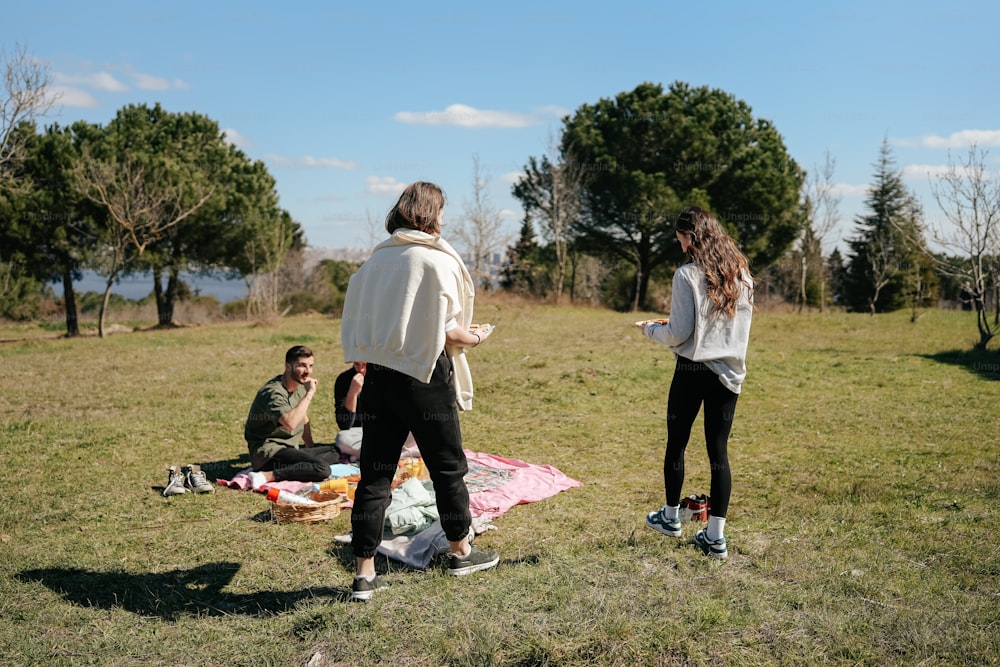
x=175 y=483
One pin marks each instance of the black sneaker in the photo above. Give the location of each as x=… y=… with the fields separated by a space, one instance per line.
x=476 y=561
x=362 y=589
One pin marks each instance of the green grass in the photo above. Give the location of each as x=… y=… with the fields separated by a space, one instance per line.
x=866 y=455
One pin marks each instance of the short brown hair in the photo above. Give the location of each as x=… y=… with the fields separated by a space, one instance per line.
x=417 y=208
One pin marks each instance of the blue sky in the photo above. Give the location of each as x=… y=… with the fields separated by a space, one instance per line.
x=348 y=102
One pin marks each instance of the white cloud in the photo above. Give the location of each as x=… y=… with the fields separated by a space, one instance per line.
x=68 y=96
x=463 y=115
x=385 y=185
x=150 y=82
x=924 y=171
x=960 y=139
x=102 y=81
x=512 y=177
x=235 y=138
x=850 y=190
x=310 y=162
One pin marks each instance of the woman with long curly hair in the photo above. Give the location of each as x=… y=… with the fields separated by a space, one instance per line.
x=711 y=305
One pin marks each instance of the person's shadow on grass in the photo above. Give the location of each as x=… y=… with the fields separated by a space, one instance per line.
x=170 y=595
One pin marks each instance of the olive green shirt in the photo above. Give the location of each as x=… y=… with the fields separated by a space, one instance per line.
x=263 y=432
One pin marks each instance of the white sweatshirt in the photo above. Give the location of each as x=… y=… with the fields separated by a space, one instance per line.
x=698 y=332
x=399 y=303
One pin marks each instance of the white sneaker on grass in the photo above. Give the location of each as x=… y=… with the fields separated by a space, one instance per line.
x=661 y=524
x=175 y=483
x=713 y=548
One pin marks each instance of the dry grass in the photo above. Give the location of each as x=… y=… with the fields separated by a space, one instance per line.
x=861 y=529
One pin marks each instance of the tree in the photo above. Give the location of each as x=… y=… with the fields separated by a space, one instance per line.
x=969 y=197
x=266 y=242
x=517 y=272
x=549 y=192
x=59 y=230
x=141 y=195
x=821 y=210
x=190 y=151
x=24 y=97
x=888 y=259
x=480 y=235
x=644 y=155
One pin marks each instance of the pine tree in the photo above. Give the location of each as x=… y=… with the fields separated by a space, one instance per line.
x=517 y=273
x=887 y=264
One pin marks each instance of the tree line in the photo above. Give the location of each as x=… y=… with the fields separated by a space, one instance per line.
x=603 y=199
x=159 y=192
x=151 y=191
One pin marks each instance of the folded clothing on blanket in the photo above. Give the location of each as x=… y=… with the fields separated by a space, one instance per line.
x=503 y=483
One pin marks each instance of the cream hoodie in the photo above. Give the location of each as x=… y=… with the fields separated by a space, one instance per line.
x=398 y=303
x=698 y=332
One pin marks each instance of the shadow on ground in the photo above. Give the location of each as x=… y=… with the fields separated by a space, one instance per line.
x=226 y=469
x=985 y=364
x=171 y=595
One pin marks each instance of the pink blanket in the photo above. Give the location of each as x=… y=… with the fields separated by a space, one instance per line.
x=529 y=483
x=242 y=482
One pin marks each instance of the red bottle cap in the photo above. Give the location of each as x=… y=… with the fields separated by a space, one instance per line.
x=273 y=493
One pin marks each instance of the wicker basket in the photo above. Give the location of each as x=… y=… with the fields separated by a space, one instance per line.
x=328 y=508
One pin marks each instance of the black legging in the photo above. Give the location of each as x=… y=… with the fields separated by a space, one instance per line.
x=695 y=383
x=310 y=464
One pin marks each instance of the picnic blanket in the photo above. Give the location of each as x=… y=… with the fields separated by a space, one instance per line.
x=241 y=480
x=496 y=484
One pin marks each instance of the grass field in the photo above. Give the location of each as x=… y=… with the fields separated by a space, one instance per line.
x=862 y=528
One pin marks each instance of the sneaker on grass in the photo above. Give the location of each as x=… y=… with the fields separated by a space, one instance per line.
x=196 y=481
x=362 y=589
x=475 y=561
x=714 y=548
x=175 y=483
x=661 y=524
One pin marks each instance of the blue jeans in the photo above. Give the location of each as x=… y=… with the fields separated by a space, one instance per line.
x=396 y=405
x=693 y=384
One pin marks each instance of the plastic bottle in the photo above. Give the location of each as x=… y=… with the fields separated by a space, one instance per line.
x=332 y=485
x=276 y=495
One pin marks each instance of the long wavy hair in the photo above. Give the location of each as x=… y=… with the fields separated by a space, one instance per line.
x=726 y=268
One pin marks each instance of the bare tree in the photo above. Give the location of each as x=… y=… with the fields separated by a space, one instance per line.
x=550 y=194
x=139 y=208
x=480 y=235
x=25 y=96
x=266 y=252
x=823 y=211
x=883 y=265
x=969 y=197
x=374 y=231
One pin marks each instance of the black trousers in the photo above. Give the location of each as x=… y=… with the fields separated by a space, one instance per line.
x=310 y=464
x=396 y=405
x=695 y=384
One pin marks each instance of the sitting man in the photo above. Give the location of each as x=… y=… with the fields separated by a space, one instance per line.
x=278 y=423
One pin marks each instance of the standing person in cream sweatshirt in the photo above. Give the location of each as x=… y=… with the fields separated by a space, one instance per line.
x=407 y=314
x=709 y=328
